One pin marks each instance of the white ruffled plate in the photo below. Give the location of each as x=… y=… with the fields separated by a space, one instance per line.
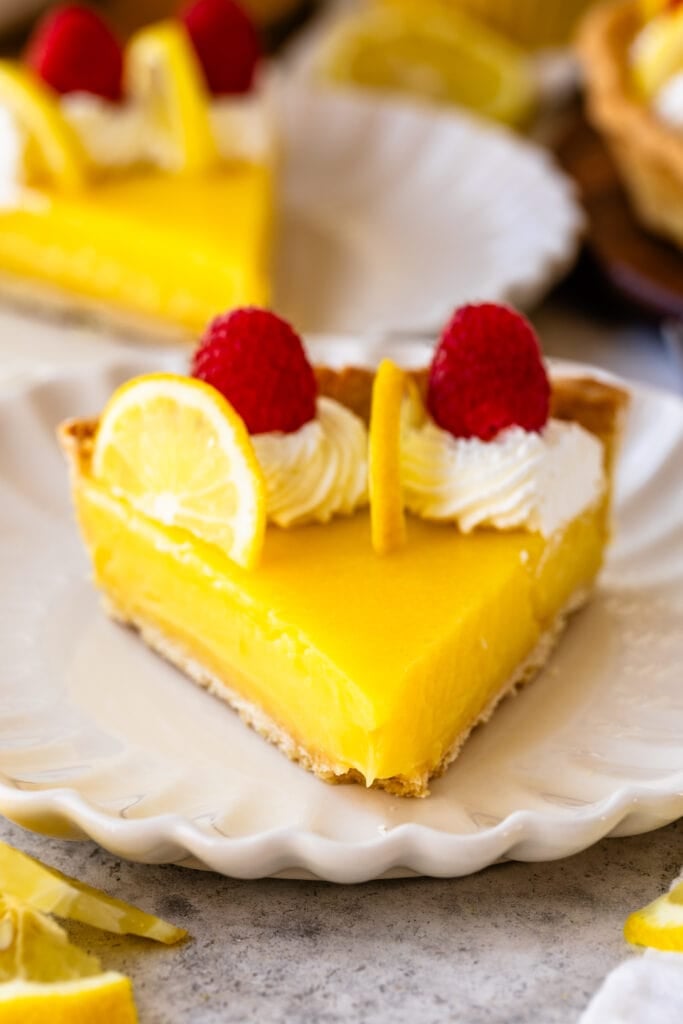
x=100 y=738
x=393 y=214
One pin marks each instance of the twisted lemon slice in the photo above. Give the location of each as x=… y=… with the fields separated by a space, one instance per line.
x=164 y=75
x=175 y=449
x=659 y=924
x=395 y=404
x=55 y=152
x=48 y=890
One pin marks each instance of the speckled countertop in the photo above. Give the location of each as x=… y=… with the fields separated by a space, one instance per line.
x=516 y=944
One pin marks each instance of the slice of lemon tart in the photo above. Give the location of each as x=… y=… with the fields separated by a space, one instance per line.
x=361 y=564
x=137 y=183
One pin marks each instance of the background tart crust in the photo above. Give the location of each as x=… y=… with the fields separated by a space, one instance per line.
x=648 y=152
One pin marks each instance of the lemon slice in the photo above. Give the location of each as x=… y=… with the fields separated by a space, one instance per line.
x=45 y=979
x=48 y=890
x=428 y=49
x=396 y=404
x=163 y=74
x=56 y=152
x=107 y=997
x=660 y=924
x=34 y=948
x=176 y=450
x=658 y=52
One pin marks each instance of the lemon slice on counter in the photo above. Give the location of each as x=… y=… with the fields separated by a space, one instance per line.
x=396 y=403
x=660 y=924
x=106 y=997
x=48 y=890
x=430 y=50
x=164 y=75
x=657 y=52
x=45 y=979
x=176 y=450
x=55 y=151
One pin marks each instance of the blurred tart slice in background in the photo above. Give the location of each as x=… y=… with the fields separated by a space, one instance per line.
x=136 y=180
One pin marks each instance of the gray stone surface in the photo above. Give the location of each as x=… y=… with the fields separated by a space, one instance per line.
x=517 y=944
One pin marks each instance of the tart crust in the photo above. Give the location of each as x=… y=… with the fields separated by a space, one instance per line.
x=597 y=406
x=648 y=153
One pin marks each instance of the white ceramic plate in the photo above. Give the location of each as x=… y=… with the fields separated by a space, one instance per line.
x=100 y=738
x=393 y=214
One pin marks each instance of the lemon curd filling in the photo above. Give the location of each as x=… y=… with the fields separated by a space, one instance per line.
x=162 y=247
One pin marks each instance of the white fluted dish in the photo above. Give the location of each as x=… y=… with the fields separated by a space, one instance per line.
x=393 y=213
x=100 y=739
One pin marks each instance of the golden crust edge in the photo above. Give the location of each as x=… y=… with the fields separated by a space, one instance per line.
x=597 y=406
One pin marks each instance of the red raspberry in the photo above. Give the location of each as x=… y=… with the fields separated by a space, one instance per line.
x=74 y=50
x=258 y=362
x=487 y=374
x=226 y=42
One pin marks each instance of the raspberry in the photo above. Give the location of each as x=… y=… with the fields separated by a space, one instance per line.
x=226 y=42
x=257 y=361
x=74 y=50
x=487 y=374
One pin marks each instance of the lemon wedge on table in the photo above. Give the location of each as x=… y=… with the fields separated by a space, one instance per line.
x=55 y=152
x=45 y=979
x=48 y=890
x=164 y=75
x=659 y=925
x=430 y=50
x=176 y=450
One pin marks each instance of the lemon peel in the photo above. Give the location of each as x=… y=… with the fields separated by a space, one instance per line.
x=396 y=404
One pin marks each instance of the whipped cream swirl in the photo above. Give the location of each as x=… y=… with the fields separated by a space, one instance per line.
x=116 y=136
x=113 y=135
x=317 y=471
x=519 y=480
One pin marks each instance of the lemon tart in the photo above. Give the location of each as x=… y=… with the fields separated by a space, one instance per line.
x=633 y=60
x=137 y=183
x=228 y=520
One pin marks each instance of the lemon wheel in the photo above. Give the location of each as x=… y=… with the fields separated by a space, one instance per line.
x=176 y=450
x=57 y=156
x=395 y=402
